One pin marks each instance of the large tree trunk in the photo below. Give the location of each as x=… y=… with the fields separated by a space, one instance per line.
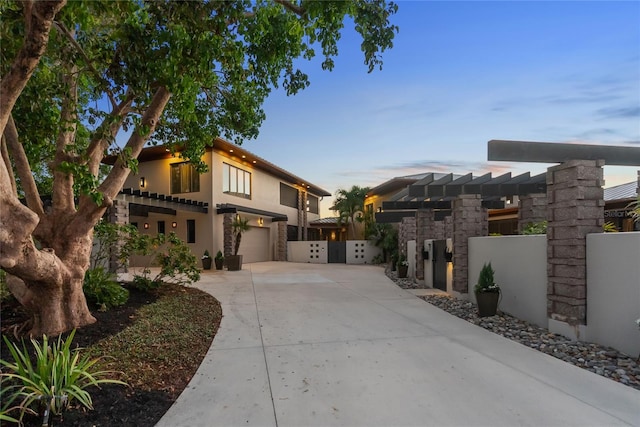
x=58 y=307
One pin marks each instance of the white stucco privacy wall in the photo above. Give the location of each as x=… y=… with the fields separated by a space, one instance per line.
x=613 y=290
x=520 y=265
x=361 y=252
x=314 y=251
x=411 y=257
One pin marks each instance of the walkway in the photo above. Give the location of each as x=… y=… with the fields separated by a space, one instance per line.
x=323 y=345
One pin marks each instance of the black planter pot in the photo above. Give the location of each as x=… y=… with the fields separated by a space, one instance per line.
x=219 y=263
x=402 y=271
x=206 y=263
x=487 y=303
x=234 y=262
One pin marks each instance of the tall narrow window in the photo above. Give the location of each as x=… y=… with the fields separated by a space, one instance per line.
x=184 y=178
x=236 y=181
x=191 y=231
x=160 y=227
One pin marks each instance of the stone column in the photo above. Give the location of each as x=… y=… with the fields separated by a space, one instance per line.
x=301 y=208
x=532 y=209
x=575 y=209
x=305 y=229
x=447 y=227
x=425 y=229
x=406 y=232
x=227 y=227
x=118 y=214
x=281 y=246
x=469 y=219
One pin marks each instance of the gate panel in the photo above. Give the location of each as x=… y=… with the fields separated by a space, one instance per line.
x=337 y=252
x=439 y=264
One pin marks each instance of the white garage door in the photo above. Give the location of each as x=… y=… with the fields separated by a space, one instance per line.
x=255 y=245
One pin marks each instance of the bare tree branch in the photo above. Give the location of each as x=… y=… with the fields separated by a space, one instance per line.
x=7 y=162
x=298 y=10
x=112 y=184
x=34 y=202
x=39 y=18
x=63 y=196
x=107 y=132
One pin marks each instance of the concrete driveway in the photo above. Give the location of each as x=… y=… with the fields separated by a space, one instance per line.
x=324 y=345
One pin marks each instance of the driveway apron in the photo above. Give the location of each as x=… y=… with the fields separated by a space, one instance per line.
x=342 y=345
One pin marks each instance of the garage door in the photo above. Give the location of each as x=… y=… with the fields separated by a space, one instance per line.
x=255 y=245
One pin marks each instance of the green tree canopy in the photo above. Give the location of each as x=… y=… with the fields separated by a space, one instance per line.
x=76 y=74
x=348 y=203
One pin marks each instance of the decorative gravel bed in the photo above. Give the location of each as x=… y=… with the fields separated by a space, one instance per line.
x=601 y=360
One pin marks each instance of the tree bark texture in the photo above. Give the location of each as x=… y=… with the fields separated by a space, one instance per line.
x=39 y=17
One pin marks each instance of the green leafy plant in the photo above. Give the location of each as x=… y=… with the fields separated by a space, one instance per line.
x=101 y=288
x=402 y=260
x=535 y=228
x=143 y=282
x=219 y=255
x=609 y=227
x=177 y=262
x=60 y=377
x=206 y=254
x=486 y=282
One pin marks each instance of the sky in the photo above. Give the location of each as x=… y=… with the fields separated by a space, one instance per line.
x=461 y=74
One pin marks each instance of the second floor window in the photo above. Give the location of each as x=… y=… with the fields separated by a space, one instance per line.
x=236 y=181
x=184 y=178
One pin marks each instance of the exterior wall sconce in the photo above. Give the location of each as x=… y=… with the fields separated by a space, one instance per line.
x=260 y=221
x=448 y=255
x=174 y=224
x=146 y=225
x=143 y=182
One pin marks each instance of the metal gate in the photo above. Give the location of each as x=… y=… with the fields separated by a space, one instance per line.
x=439 y=264
x=337 y=252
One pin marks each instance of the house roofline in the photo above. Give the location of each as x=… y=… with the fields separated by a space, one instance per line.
x=234 y=152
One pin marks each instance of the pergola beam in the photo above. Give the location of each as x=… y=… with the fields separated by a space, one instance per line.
x=549 y=152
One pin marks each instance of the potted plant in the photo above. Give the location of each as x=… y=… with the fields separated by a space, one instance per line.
x=394 y=260
x=206 y=260
x=487 y=292
x=239 y=226
x=403 y=266
x=219 y=260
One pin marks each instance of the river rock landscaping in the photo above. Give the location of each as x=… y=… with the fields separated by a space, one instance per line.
x=598 y=359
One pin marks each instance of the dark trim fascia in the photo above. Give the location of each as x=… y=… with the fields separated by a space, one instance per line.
x=231 y=208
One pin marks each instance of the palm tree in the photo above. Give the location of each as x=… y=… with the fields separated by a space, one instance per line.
x=348 y=203
x=239 y=226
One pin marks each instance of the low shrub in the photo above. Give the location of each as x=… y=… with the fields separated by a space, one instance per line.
x=101 y=288
x=60 y=377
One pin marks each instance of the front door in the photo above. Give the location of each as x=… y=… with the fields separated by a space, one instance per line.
x=439 y=264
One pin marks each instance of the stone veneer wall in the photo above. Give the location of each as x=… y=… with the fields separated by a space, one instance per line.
x=406 y=232
x=302 y=215
x=532 y=209
x=118 y=214
x=470 y=219
x=227 y=227
x=425 y=229
x=575 y=209
x=281 y=246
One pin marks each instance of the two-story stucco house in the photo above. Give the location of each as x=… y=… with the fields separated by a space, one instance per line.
x=167 y=194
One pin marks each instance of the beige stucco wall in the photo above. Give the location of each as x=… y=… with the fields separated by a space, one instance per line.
x=265 y=195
